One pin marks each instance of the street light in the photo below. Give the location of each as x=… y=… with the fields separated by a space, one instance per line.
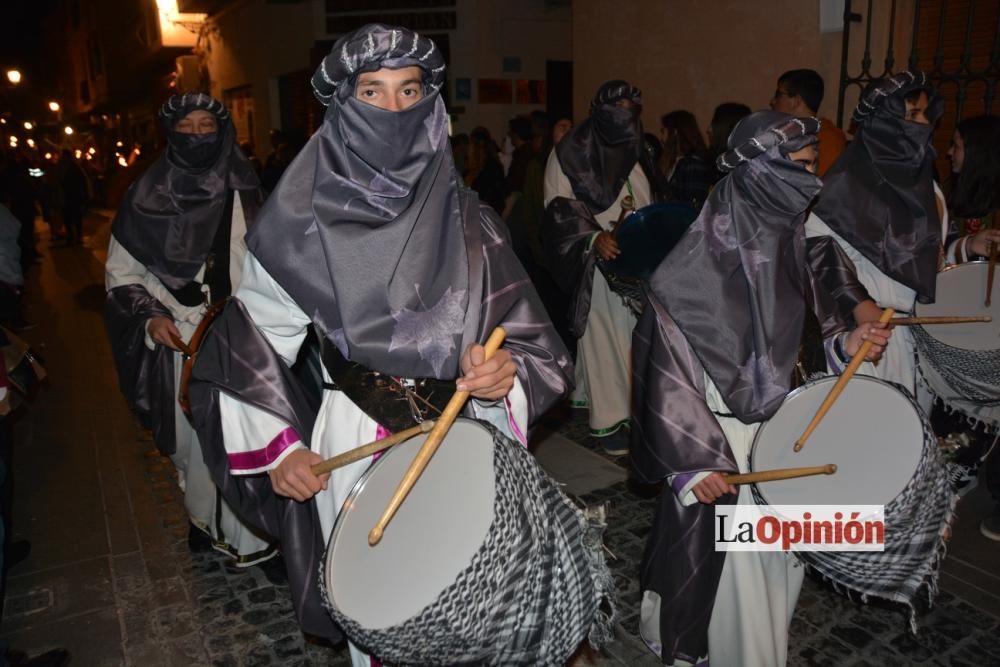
x=54 y=106
x=28 y=125
x=68 y=130
x=14 y=76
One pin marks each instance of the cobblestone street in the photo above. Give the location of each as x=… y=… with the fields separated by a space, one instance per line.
x=111 y=579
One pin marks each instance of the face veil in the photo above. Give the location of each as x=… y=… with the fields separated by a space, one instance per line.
x=879 y=195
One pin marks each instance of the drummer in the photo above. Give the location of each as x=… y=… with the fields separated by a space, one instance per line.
x=370 y=239
x=597 y=166
x=881 y=204
x=177 y=245
x=713 y=357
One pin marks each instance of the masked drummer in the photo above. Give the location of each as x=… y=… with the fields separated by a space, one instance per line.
x=713 y=357
x=882 y=206
x=597 y=166
x=370 y=239
x=176 y=246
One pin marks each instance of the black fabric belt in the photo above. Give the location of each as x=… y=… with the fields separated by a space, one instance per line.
x=388 y=401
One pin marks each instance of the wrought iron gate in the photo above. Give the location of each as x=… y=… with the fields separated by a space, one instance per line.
x=957 y=42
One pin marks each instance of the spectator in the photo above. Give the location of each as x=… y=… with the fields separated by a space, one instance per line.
x=11 y=277
x=800 y=92
x=247 y=149
x=21 y=198
x=724 y=119
x=484 y=173
x=684 y=160
x=974 y=205
x=560 y=129
x=276 y=162
x=73 y=187
x=460 y=152
x=520 y=133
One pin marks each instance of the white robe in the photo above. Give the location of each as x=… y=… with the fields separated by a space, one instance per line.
x=898 y=363
x=757 y=590
x=340 y=425
x=201 y=498
x=604 y=352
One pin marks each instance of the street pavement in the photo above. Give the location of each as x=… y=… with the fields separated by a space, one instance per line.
x=111 y=579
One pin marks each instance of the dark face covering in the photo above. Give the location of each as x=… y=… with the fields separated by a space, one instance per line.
x=194 y=151
x=879 y=195
x=370 y=207
x=736 y=283
x=598 y=154
x=170 y=215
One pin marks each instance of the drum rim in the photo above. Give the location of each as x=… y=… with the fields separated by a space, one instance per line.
x=911 y=402
x=951 y=267
x=357 y=489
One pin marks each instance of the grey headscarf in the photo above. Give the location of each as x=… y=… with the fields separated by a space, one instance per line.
x=736 y=283
x=598 y=154
x=170 y=215
x=879 y=194
x=364 y=230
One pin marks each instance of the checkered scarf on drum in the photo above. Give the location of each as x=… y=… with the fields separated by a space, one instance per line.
x=967 y=381
x=536 y=588
x=917 y=523
x=974 y=375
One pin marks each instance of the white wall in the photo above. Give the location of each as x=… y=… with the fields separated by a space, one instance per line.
x=241 y=51
x=493 y=29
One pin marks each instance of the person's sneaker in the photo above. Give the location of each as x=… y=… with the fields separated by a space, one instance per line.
x=990 y=527
x=616 y=444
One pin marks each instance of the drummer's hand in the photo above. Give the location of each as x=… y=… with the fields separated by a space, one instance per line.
x=979 y=243
x=489 y=380
x=712 y=488
x=606 y=246
x=160 y=328
x=294 y=479
x=876 y=332
x=867 y=311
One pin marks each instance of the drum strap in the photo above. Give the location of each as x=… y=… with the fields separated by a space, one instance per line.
x=393 y=403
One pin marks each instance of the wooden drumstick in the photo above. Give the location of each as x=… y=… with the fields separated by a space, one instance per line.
x=991 y=269
x=181 y=345
x=939 y=319
x=430 y=446
x=780 y=473
x=364 y=451
x=831 y=398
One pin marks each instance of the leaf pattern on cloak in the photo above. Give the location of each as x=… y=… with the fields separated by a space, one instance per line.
x=433 y=331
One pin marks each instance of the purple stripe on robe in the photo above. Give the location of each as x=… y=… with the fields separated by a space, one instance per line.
x=260 y=458
x=513 y=422
x=380 y=433
x=678 y=482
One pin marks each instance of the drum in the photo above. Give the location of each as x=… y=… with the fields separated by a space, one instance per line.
x=960 y=363
x=645 y=237
x=886 y=454
x=487 y=561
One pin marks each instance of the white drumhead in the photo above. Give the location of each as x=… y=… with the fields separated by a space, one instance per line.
x=961 y=290
x=432 y=538
x=873 y=433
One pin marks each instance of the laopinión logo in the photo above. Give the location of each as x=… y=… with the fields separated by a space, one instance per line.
x=799 y=527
